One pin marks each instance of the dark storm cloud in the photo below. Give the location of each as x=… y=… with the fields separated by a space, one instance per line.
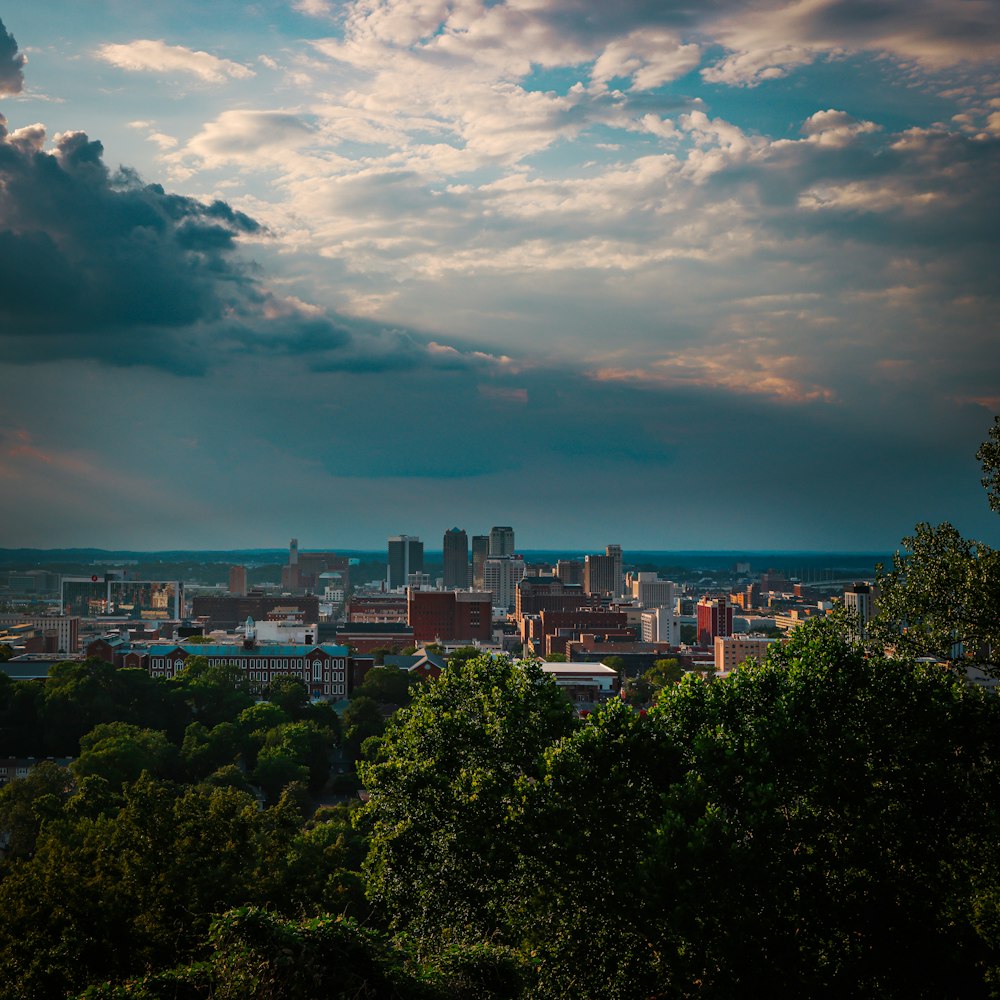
x=91 y=260
x=11 y=64
x=99 y=265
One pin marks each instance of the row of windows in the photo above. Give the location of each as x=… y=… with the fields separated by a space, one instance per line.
x=251 y=663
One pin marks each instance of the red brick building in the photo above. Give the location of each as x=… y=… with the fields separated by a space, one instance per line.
x=715 y=617
x=548 y=593
x=450 y=615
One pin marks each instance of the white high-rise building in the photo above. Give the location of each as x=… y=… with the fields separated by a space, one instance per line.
x=501 y=577
x=661 y=625
x=652 y=592
x=859 y=600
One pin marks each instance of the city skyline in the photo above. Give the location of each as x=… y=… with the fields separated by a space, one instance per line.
x=681 y=279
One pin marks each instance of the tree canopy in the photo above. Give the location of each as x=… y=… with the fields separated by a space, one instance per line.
x=941 y=598
x=819 y=820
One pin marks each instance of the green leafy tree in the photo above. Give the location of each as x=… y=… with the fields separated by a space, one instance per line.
x=26 y=803
x=290 y=694
x=821 y=821
x=107 y=894
x=120 y=752
x=206 y=750
x=22 y=705
x=989 y=457
x=306 y=743
x=443 y=849
x=459 y=656
x=941 y=598
x=214 y=693
x=229 y=776
x=387 y=686
x=276 y=768
x=644 y=689
x=79 y=696
x=362 y=719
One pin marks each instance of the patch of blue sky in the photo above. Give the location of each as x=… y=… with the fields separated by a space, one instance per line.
x=865 y=87
x=556 y=80
x=602 y=148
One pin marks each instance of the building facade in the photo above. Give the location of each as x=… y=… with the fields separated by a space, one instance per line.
x=715 y=617
x=238 y=581
x=732 y=651
x=405 y=556
x=228 y=612
x=455 y=551
x=599 y=576
x=501 y=577
x=64 y=628
x=450 y=615
x=859 y=601
x=480 y=553
x=323 y=668
x=501 y=541
x=661 y=625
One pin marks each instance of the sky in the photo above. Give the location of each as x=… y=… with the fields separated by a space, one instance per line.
x=670 y=274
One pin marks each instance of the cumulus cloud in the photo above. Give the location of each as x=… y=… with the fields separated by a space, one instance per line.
x=835 y=128
x=92 y=261
x=156 y=56
x=250 y=136
x=99 y=265
x=646 y=58
x=767 y=41
x=314 y=8
x=11 y=64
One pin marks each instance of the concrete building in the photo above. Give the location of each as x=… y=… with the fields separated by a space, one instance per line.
x=406 y=556
x=112 y=594
x=64 y=629
x=614 y=552
x=501 y=577
x=305 y=569
x=859 y=600
x=586 y=684
x=480 y=553
x=372 y=608
x=731 y=651
x=599 y=575
x=661 y=625
x=501 y=542
x=539 y=593
x=652 y=592
x=366 y=636
x=455 y=551
x=570 y=571
x=228 y=612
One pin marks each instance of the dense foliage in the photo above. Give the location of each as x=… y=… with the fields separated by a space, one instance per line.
x=826 y=824
x=941 y=597
x=820 y=820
